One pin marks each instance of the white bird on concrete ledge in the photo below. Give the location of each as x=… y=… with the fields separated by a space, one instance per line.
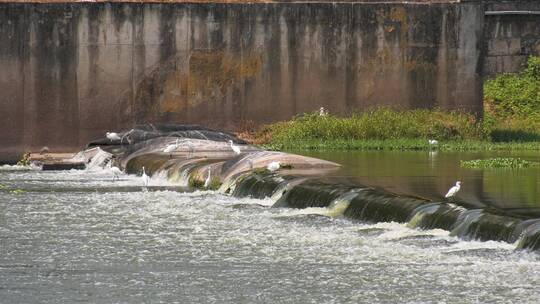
x=112 y=136
x=273 y=166
x=453 y=190
x=236 y=149
x=171 y=147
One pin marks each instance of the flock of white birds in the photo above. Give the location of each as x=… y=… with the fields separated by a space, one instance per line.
x=116 y=172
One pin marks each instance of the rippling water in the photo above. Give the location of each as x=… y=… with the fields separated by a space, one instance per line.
x=77 y=236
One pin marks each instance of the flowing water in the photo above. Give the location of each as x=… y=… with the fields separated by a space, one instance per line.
x=77 y=236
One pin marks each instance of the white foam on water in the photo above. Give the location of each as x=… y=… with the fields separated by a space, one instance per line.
x=202 y=236
x=474 y=245
x=31 y=167
x=396 y=231
x=160 y=178
x=336 y=209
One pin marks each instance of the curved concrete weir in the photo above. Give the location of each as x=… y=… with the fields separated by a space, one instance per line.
x=200 y=156
x=300 y=183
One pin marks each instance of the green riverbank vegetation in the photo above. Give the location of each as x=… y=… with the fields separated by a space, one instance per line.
x=511 y=122
x=512 y=104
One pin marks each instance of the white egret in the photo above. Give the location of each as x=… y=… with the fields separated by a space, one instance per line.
x=207 y=181
x=112 y=136
x=323 y=111
x=273 y=166
x=433 y=142
x=116 y=172
x=453 y=190
x=145 y=178
x=171 y=147
x=236 y=149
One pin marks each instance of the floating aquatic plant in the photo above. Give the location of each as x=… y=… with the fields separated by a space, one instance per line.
x=498 y=162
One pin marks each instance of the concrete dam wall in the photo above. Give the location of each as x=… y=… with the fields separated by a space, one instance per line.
x=511 y=35
x=69 y=72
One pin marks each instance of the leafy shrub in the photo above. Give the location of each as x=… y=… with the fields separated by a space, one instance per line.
x=512 y=104
x=381 y=124
x=515 y=94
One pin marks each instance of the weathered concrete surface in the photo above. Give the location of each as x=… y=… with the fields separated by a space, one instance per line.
x=512 y=34
x=70 y=72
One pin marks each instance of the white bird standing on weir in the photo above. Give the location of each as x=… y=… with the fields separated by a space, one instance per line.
x=116 y=172
x=453 y=190
x=273 y=166
x=433 y=142
x=171 y=147
x=145 y=178
x=112 y=136
x=207 y=181
x=236 y=149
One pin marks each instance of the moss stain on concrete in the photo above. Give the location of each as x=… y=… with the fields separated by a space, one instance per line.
x=210 y=75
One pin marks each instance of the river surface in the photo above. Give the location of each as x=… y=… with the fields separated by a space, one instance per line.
x=431 y=174
x=77 y=236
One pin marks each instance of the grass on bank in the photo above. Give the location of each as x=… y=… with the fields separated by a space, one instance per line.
x=511 y=122
x=400 y=145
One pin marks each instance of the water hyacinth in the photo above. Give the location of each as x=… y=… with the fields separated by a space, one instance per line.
x=498 y=162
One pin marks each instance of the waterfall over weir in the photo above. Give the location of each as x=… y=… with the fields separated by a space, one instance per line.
x=299 y=183
x=375 y=205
